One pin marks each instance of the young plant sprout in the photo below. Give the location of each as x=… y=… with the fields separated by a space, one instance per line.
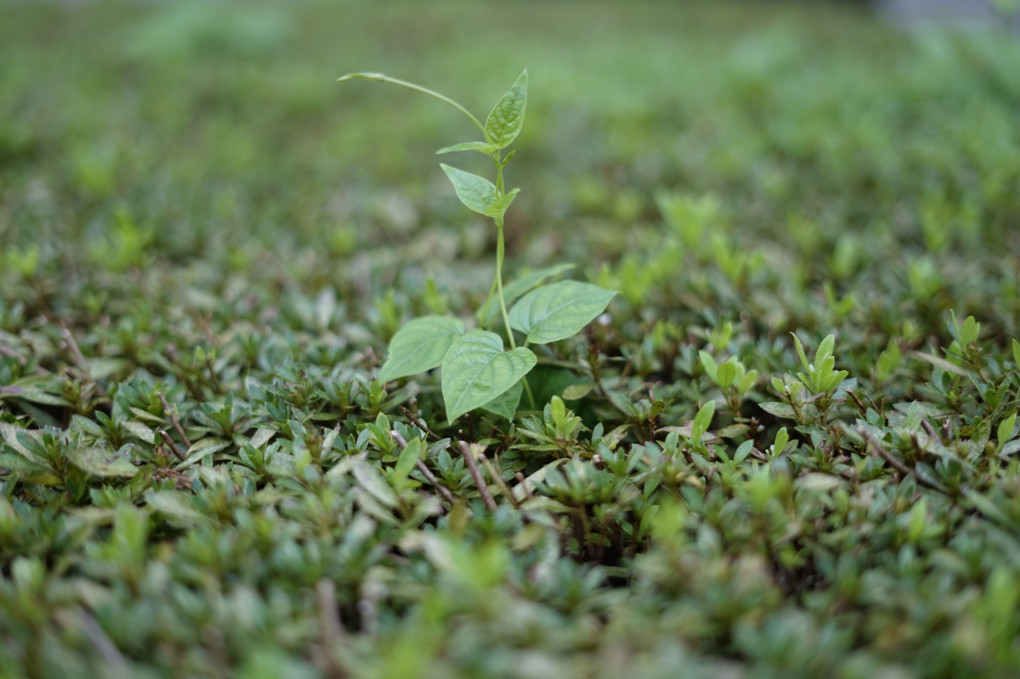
x=478 y=370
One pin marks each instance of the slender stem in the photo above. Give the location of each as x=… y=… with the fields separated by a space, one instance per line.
x=527 y=392
x=499 y=282
x=483 y=312
x=505 y=489
x=476 y=475
x=497 y=158
x=380 y=77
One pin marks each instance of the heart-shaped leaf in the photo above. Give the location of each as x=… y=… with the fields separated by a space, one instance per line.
x=557 y=311
x=506 y=119
x=420 y=345
x=505 y=405
x=477 y=193
x=476 y=370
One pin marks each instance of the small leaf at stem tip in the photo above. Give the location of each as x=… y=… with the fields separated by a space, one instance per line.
x=501 y=205
x=420 y=345
x=476 y=370
x=380 y=77
x=506 y=119
x=476 y=193
x=558 y=311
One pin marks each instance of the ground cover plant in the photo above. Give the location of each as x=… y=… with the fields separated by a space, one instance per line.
x=788 y=447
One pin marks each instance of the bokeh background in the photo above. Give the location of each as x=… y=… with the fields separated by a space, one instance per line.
x=200 y=141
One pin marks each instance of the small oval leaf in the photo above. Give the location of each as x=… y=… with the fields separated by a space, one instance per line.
x=781 y=410
x=177 y=507
x=420 y=345
x=477 y=193
x=476 y=370
x=558 y=311
x=102 y=463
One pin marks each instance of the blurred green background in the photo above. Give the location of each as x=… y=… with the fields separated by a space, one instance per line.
x=213 y=134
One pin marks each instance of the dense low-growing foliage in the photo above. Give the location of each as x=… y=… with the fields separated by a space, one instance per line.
x=790 y=447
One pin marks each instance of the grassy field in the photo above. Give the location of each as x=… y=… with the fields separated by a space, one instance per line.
x=789 y=448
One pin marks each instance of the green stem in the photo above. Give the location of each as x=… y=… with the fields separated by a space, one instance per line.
x=499 y=282
x=483 y=312
x=527 y=391
x=497 y=158
x=382 y=78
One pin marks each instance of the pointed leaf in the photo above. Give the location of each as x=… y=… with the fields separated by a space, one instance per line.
x=702 y=420
x=408 y=458
x=480 y=146
x=521 y=285
x=420 y=345
x=506 y=119
x=1005 y=430
x=800 y=352
x=505 y=405
x=477 y=193
x=557 y=311
x=476 y=370
x=824 y=351
x=708 y=363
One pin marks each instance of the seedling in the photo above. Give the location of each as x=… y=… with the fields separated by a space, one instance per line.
x=478 y=371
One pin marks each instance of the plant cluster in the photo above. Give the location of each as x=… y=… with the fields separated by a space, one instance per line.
x=478 y=372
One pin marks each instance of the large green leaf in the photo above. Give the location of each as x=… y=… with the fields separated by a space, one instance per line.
x=420 y=345
x=507 y=117
x=505 y=405
x=557 y=311
x=519 y=286
x=477 y=193
x=476 y=370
